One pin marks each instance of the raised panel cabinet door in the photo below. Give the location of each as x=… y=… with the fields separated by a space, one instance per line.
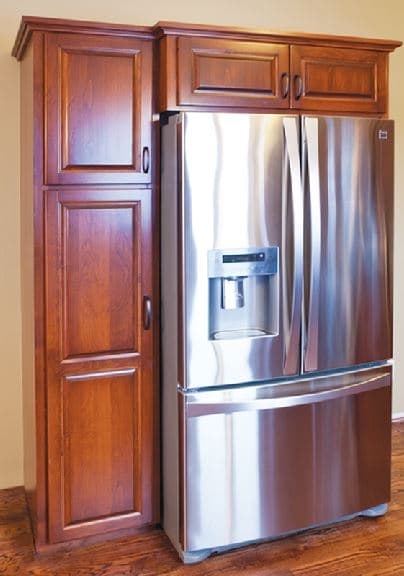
x=98 y=109
x=100 y=384
x=338 y=79
x=231 y=73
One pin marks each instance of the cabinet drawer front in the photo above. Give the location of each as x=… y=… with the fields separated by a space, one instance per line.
x=232 y=73
x=336 y=79
x=98 y=108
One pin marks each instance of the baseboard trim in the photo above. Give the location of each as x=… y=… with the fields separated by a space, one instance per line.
x=398 y=417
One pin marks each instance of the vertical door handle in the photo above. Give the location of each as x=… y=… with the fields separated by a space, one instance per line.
x=147 y=313
x=285 y=84
x=292 y=309
x=312 y=315
x=145 y=159
x=298 y=86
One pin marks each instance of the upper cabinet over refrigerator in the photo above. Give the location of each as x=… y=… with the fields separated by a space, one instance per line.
x=348 y=180
x=240 y=245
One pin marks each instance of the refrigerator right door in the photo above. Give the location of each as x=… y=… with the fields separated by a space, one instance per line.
x=348 y=244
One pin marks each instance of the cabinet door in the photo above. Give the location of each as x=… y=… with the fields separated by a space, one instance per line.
x=337 y=79
x=217 y=72
x=98 y=109
x=101 y=400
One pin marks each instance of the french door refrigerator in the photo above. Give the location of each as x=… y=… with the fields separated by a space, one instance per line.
x=276 y=324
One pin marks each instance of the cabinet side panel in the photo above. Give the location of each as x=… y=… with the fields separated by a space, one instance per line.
x=27 y=270
x=31 y=206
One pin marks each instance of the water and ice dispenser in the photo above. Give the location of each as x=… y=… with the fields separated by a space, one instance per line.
x=243 y=293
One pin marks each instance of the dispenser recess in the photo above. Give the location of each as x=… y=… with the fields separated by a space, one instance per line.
x=243 y=293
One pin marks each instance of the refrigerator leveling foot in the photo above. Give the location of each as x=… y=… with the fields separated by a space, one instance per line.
x=193 y=557
x=375 y=511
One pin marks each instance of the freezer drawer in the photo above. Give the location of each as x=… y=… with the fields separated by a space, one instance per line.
x=261 y=461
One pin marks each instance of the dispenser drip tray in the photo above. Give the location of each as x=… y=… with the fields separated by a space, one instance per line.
x=241 y=333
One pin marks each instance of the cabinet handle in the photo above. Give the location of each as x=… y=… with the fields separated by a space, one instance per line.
x=285 y=83
x=298 y=86
x=147 y=313
x=146 y=159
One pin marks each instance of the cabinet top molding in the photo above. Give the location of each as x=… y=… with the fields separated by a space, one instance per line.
x=30 y=24
x=164 y=28
x=261 y=35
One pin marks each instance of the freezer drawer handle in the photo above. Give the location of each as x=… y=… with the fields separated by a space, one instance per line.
x=285 y=83
x=197 y=408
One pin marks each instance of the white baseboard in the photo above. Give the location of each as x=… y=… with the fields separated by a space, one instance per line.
x=397 y=416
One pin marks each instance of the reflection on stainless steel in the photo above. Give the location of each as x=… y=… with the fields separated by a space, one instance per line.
x=311 y=134
x=349 y=289
x=232 y=196
x=292 y=329
x=273 y=422
x=232 y=292
x=255 y=473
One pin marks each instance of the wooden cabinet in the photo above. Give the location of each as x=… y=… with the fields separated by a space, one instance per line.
x=89 y=217
x=219 y=72
x=98 y=108
x=330 y=79
x=100 y=361
x=88 y=212
x=223 y=68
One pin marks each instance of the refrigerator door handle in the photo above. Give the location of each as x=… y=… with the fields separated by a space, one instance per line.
x=292 y=317
x=312 y=317
x=198 y=407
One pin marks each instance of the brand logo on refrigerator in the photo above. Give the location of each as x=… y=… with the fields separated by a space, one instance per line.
x=383 y=135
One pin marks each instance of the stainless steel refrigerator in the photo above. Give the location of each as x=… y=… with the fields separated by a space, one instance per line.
x=276 y=324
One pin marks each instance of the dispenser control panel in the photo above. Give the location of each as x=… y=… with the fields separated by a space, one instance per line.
x=253 y=257
x=243 y=262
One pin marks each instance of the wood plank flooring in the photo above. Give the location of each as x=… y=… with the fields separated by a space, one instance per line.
x=360 y=547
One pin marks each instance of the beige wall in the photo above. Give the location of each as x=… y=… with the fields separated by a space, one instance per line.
x=360 y=18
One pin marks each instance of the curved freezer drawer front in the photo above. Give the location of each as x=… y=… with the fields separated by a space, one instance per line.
x=266 y=460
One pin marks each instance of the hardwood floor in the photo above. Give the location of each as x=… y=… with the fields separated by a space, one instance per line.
x=360 y=547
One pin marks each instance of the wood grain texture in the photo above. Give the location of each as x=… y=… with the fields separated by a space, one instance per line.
x=167 y=28
x=32 y=226
x=98 y=109
x=33 y=24
x=29 y=24
x=363 y=546
x=101 y=263
x=218 y=72
x=338 y=79
x=102 y=452
x=100 y=388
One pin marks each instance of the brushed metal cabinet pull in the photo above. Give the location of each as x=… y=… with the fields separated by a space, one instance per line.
x=285 y=84
x=147 y=313
x=146 y=159
x=298 y=86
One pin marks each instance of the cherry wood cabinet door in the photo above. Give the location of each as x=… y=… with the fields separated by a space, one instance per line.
x=100 y=386
x=338 y=80
x=98 y=109
x=232 y=73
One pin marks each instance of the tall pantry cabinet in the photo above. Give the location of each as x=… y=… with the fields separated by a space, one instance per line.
x=87 y=204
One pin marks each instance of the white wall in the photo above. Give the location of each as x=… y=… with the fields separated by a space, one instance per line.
x=359 y=18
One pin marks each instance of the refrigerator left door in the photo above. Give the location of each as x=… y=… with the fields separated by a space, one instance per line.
x=238 y=188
